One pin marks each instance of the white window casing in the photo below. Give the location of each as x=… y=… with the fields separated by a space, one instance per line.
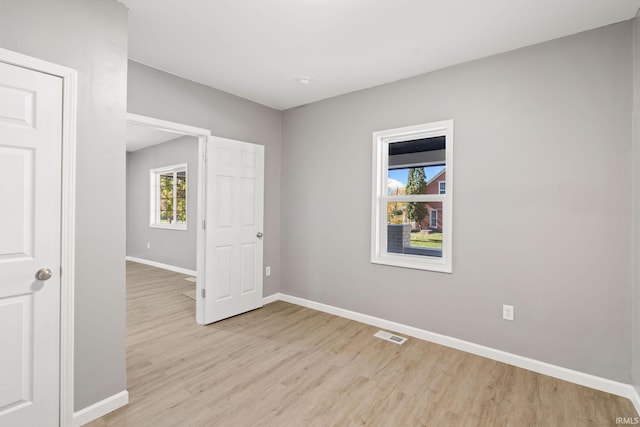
x=154 y=193
x=380 y=197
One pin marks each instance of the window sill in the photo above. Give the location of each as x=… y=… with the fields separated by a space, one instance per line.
x=180 y=227
x=417 y=262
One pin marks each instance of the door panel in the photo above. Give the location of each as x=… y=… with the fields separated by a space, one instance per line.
x=17 y=333
x=248 y=268
x=222 y=273
x=30 y=180
x=17 y=106
x=234 y=206
x=248 y=202
x=225 y=201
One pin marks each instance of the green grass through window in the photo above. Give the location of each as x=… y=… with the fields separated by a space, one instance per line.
x=426 y=240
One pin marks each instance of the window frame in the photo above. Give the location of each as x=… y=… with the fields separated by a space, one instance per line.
x=154 y=194
x=380 y=198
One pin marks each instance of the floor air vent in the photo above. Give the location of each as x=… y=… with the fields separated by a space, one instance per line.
x=390 y=337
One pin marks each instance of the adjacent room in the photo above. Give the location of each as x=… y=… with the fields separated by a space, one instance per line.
x=294 y=213
x=162 y=194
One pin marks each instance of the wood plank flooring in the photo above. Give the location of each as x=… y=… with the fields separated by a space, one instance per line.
x=285 y=365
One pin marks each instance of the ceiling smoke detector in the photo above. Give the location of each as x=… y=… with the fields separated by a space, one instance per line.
x=304 y=80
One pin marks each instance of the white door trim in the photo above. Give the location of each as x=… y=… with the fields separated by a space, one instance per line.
x=202 y=135
x=67 y=256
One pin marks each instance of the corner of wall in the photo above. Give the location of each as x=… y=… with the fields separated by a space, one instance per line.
x=635 y=197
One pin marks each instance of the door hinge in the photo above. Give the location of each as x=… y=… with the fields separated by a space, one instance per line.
x=203 y=292
x=204 y=155
x=204 y=224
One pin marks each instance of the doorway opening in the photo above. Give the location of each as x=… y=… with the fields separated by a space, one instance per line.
x=228 y=219
x=165 y=198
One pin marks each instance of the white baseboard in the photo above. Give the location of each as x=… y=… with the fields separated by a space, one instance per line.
x=161 y=265
x=271 y=298
x=635 y=399
x=101 y=408
x=576 y=377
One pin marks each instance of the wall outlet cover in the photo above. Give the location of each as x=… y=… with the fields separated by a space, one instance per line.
x=507 y=312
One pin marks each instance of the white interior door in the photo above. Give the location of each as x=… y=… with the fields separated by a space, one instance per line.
x=234 y=219
x=30 y=191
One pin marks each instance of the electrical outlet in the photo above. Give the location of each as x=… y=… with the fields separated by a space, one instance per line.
x=267 y=271
x=148 y=245
x=507 y=312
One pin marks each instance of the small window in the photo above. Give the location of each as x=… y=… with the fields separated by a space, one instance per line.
x=169 y=197
x=412 y=197
x=433 y=219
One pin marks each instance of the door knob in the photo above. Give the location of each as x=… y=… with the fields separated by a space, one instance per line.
x=259 y=235
x=44 y=274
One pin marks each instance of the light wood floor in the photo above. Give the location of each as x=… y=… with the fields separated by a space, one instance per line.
x=285 y=365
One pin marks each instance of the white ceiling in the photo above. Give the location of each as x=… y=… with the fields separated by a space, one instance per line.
x=139 y=136
x=257 y=48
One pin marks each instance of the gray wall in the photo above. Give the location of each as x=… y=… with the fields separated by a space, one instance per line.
x=89 y=36
x=173 y=247
x=635 y=294
x=549 y=234
x=164 y=96
x=566 y=266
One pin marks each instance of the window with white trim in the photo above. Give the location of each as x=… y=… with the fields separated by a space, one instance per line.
x=433 y=218
x=412 y=196
x=168 y=187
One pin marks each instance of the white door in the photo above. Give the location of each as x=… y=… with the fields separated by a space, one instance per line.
x=234 y=218
x=30 y=191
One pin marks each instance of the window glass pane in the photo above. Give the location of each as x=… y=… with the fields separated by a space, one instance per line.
x=166 y=197
x=181 y=197
x=181 y=184
x=415 y=228
x=166 y=216
x=416 y=167
x=181 y=210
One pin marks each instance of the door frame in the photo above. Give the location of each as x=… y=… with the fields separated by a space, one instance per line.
x=203 y=136
x=67 y=224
